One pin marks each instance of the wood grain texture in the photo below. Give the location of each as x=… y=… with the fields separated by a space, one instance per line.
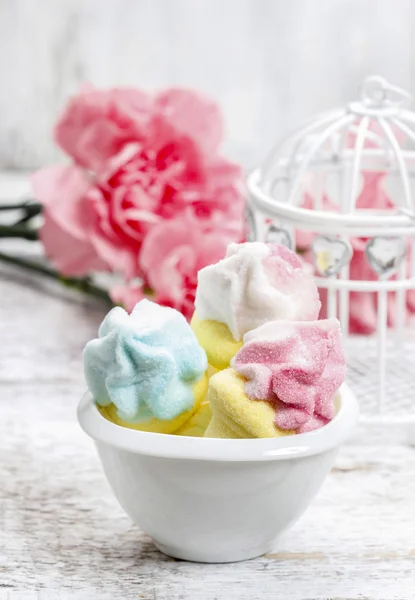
x=63 y=536
x=270 y=63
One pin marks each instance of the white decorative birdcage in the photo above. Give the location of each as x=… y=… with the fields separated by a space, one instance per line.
x=342 y=191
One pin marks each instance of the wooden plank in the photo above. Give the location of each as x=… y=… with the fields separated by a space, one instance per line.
x=63 y=535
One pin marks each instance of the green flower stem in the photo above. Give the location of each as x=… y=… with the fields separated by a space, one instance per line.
x=84 y=285
x=21 y=228
x=26 y=205
x=18 y=231
x=30 y=211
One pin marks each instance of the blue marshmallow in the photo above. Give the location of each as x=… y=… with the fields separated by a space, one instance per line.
x=145 y=363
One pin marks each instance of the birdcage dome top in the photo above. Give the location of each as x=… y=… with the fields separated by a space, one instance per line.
x=314 y=178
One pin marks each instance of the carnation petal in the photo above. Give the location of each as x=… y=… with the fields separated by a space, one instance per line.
x=194 y=115
x=72 y=256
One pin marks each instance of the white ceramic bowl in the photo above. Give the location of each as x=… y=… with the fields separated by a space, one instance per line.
x=215 y=500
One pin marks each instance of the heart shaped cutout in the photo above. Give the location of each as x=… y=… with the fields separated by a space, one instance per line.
x=278 y=235
x=330 y=255
x=385 y=254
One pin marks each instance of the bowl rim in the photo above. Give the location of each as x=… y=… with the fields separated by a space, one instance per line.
x=162 y=445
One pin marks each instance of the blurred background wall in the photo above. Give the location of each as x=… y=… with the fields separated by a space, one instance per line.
x=270 y=63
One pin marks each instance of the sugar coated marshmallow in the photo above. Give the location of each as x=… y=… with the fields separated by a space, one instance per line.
x=284 y=380
x=146 y=370
x=255 y=283
x=274 y=369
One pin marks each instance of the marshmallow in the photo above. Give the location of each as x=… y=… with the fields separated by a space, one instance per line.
x=146 y=363
x=253 y=284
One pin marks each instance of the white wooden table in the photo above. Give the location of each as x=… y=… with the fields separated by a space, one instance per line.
x=63 y=536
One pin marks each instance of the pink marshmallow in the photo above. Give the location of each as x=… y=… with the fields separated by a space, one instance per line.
x=296 y=365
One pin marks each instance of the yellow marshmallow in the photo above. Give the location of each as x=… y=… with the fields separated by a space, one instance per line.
x=234 y=414
x=158 y=425
x=198 y=422
x=217 y=341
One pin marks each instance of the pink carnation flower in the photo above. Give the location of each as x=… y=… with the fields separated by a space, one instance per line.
x=140 y=162
x=65 y=233
x=97 y=123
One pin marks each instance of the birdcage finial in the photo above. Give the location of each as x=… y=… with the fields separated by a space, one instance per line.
x=377 y=92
